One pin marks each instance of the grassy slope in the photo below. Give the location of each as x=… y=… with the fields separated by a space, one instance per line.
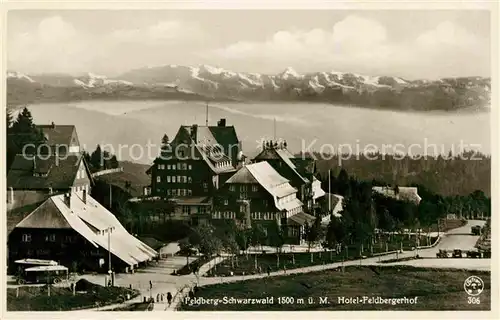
x=35 y=298
x=436 y=290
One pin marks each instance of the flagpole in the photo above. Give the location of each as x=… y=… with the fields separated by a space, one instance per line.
x=329 y=191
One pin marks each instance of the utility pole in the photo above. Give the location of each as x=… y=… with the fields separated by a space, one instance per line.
x=110 y=197
x=109 y=254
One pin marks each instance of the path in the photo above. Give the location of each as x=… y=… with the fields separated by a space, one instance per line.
x=452 y=238
x=164 y=282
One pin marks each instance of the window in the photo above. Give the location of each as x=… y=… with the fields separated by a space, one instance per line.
x=173 y=179
x=226 y=202
x=169 y=192
x=184 y=166
x=26 y=237
x=186 y=209
x=184 y=179
x=205 y=185
x=190 y=167
x=158 y=179
x=169 y=178
x=255 y=188
x=232 y=188
x=190 y=180
x=173 y=167
x=174 y=192
x=178 y=178
x=190 y=192
x=243 y=188
x=169 y=167
x=202 y=209
x=50 y=238
x=160 y=167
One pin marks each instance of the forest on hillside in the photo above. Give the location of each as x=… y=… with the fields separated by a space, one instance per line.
x=446 y=175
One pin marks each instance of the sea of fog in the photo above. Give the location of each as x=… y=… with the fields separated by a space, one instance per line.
x=128 y=127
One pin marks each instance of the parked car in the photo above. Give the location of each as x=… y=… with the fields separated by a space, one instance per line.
x=457 y=253
x=473 y=254
x=442 y=254
x=43 y=274
x=476 y=230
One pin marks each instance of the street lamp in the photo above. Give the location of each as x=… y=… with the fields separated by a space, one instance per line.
x=110 y=272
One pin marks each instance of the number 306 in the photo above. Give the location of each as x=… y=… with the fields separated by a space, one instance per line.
x=473 y=300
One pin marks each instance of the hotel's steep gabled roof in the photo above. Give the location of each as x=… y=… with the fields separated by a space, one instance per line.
x=263 y=173
x=91 y=220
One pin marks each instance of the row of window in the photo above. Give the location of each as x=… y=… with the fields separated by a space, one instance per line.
x=175 y=166
x=223 y=164
x=174 y=179
x=179 y=192
x=224 y=215
x=26 y=237
x=80 y=173
x=261 y=215
x=253 y=215
x=81 y=188
x=243 y=188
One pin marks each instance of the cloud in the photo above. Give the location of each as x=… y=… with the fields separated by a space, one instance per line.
x=162 y=31
x=362 y=45
x=55 y=45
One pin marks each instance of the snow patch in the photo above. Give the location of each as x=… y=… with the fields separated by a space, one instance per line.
x=250 y=81
x=290 y=73
x=19 y=75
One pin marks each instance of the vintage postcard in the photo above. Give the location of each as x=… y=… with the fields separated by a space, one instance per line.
x=329 y=159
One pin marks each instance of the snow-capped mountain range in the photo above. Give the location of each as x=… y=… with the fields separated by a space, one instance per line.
x=208 y=82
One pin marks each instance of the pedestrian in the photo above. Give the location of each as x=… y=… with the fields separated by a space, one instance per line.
x=157 y=297
x=161 y=297
x=150 y=284
x=284 y=269
x=109 y=283
x=268 y=271
x=169 y=298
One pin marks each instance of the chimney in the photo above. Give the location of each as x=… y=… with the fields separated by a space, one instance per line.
x=194 y=131
x=221 y=122
x=67 y=199
x=84 y=198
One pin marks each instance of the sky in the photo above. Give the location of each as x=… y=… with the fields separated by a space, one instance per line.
x=411 y=44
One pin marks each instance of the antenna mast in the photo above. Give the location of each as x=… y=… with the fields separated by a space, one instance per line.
x=206 y=117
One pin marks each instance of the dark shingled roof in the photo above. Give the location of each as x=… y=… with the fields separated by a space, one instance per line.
x=61 y=172
x=45 y=216
x=57 y=134
x=17 y=215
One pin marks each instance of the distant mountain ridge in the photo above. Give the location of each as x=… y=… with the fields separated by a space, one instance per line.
x=206 y=82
